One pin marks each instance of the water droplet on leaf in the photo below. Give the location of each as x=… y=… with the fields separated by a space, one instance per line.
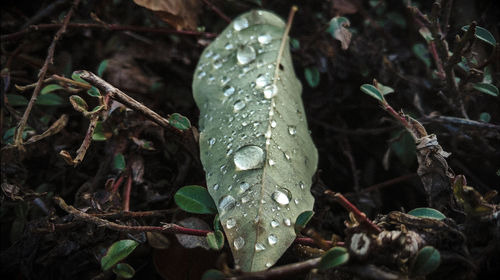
x=245 y=55
x=226 y=203
x=249 y=157
x=230 y=223
x=264 y=39
x=238 y=105
x=281 y=196
x=272 y=239
x=239 y=243
x=240 y=23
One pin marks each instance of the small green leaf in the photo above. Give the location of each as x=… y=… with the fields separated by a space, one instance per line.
x=372 y=91
x=217 y=225
x=179 y=121
x=50 y=88
x=49 y=99
x=17 y=100
x=483 y=35
x=312 y=76
x=422 y=53
x=117 y=252
x=99 y=133
x=78 y=103
x=384 y=89
x=302 y=220
x=487 y=77
x=213 y=274
x=195 y=199
x=294 y=44
x=334 y=257
x=486 y=88
x=76 y=77
x=427 y=213
x=124 y=270
x=338 y=30
x=427 y=260
x=215 y=240
x=485 y=117
x=96 y=109
x=119 y=162
x=102 y=67
x=94 y=92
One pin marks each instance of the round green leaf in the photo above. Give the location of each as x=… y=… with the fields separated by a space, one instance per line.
x=215 y=240
x=50 y=88
x=179 y=121
x=117 y=252
x=485 y=117
x=486 y=88
x=17 y=100
x=124 y=270
x=427 y=260
x=483 y=35
x=76 y=76
x=99 y=133
x=312 y=76
x=372 y=91
x=427 y=213
x=119 y=162
x=422 y=53
x=302 y=220
x=213 y=274
x=102 y=67
x=334 y=257
x=195 y=199
x=49 y=99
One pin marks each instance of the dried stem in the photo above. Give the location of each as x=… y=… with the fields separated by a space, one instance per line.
x=18 y=138
x=111 y=27
x=123 y=98
x=280 y=272
x=126 y=192
x=360 y=216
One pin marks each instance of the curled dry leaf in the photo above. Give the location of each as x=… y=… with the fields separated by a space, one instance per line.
x=182 y=14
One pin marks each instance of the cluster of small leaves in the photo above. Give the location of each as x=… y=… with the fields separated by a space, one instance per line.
x=115 y=254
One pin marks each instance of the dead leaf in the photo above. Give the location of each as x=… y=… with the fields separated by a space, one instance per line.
x=182 y=14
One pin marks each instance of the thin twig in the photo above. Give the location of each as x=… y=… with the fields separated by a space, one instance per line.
x=360 y=216
x=284 y=41
x=123 y=98
x=18 y=137
x=110 y=27
x=217 y=11
x=136 y=214
x=126 y=192
x=166 y=228
x=280 y=272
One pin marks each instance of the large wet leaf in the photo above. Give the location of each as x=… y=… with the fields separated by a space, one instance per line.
x=255 y=145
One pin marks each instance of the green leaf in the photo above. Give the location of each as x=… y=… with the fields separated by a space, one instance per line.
x=78 y=103
x=50 y=88
x=485 y=117
x=119 y=162
x=17 y=100
x=124 y=270
x=487 y=77
x=195 y=199
x=426 y=33
x=486 y=88
x=217 y=225
x=94 y=92
x=179 y=121
x=117 y=252
x=215 y=240
x=427 y=260
x=483 y=35
x=254 y=141
x=76 y=77
x=312 y=76
x=294 y=44
x=384 y=89
x=99 y=133
x=102 y=67
x=49 y=99
x=372 y=91
x=213 y=274
x=334 y=257
x=422 y=53
x=97 y=109
x=427 y=213
x=302 y=220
